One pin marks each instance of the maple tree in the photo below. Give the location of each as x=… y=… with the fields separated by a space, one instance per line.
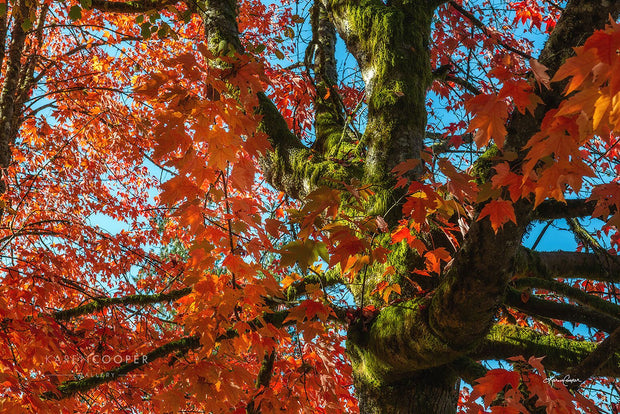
x=321 y=206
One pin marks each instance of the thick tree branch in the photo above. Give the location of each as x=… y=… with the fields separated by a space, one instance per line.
x=456 y=315
x=329 y=120
x=97 y=305
x=397 y=343
x=262 y=381
x=468 y=369
x=390 y=44
x=537 y=307
x=505 y=341
x=290 y=167
x=578 y=21
x=555 y=210
x=26 y=78
x=138 y=6
x=69 y=388
x=463 y=307
x=3 y=36
x=10 y=88
x=567 y=265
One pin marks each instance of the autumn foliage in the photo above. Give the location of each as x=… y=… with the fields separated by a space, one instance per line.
x=175 y=238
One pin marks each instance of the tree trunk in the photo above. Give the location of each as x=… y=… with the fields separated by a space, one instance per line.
x=433 y=391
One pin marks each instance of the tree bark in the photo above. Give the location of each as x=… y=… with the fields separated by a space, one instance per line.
x=429 y=392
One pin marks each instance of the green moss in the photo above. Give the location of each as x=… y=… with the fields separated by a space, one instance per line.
x=395 y=344
x=329 y=278
x=483 y=167
x=101 y=303
x=559 y=351
x=383 y=199
x=316 y=172
x=528 y=263
x=329 y=133
x=394 y=58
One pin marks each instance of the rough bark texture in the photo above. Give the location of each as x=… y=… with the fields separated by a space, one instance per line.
x=391 y=45
x=10 y=89
x=434 y=391
x=569 y=265
x=329 y=125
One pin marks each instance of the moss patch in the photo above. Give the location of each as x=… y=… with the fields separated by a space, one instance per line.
x=395 y=344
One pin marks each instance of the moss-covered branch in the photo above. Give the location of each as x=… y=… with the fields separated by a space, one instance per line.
x=579 y=296
x=537 y=308
x=98 y=304
x=262 y=381
x=290 y=167
x=329 y=123
x=138 y=6
x=584 y=236
x=468 y=369
x=9 y=111
x=505 y=341
x=463 y=307
x=293 y=168
x=391 y=46
x=69 y=388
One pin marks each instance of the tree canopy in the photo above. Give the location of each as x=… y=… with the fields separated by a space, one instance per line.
x=309 y=206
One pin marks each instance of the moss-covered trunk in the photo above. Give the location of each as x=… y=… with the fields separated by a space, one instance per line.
x=389 y=354
x=391 y=46
x=431 y=392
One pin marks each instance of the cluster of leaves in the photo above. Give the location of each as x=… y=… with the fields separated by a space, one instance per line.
x=506 y=391
x=107 y=101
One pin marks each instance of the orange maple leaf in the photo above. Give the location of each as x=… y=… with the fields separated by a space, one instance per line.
x=500 y=212
x=490 y=115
